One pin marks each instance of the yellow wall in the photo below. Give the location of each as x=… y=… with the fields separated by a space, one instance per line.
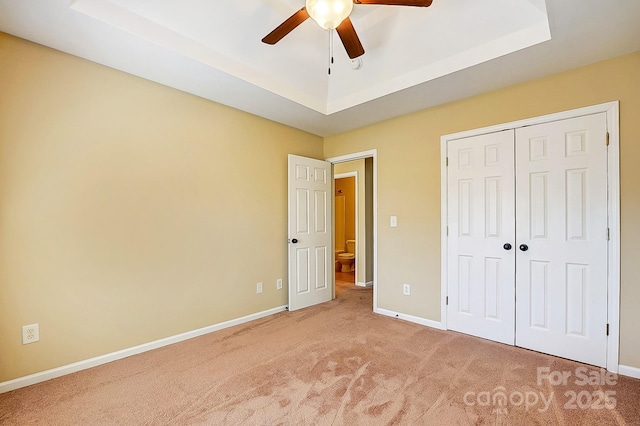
x=347 y=188
x=409 y=180
x=129 y=211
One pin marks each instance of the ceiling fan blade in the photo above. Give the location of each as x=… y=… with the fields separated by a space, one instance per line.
x=350 y=39
x=419 y=3
x=286 y=27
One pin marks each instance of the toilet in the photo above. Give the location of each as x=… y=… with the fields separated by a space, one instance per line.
x=348 y=258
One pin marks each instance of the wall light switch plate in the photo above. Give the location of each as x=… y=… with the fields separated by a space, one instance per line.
x=393 y=221
x=279 y=284
x=259 y=288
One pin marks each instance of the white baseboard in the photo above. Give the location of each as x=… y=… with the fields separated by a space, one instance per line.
x=367 y=284
x=410 y=318
x=625 y=370
x=42 y=376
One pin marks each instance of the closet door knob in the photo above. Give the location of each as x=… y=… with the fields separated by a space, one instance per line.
x=507 y=246
x=294 y=241
x=524 y=247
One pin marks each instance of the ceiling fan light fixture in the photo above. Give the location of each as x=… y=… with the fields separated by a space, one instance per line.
x=329 y=13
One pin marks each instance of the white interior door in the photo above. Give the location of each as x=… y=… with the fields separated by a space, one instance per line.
x=310 y=232
x=561 y=286
x=481 y=264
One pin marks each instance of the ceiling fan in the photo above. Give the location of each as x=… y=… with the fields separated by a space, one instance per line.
x=334 y=14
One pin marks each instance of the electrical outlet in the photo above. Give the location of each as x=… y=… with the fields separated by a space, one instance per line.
x=259 y=288
x=406 y=289
x=30 y=333
x=279 y=284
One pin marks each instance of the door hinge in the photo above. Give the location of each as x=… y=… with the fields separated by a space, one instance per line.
x=607 y=139
x=446 y=161
x=608 y=234
x=447 y=230
x=447 y=301
x=607 y=329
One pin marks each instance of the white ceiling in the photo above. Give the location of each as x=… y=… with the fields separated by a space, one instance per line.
x=415 y=57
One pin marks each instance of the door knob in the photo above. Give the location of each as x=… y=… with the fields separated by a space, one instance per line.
x=524 y=247
x=294 y=241
x=507 y=246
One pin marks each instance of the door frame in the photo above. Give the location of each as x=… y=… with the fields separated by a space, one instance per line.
x=373 y=153
x=353 y=174
x=612 y=111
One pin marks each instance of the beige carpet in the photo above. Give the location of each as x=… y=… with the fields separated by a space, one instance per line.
x=334 y=364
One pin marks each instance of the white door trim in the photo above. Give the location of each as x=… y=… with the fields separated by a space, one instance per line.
x=373 y=153
x=613 y=286
x=353 y=174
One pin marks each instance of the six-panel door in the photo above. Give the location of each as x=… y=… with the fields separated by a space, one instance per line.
x=561 y=217
x=481 y=270
x=310 y=232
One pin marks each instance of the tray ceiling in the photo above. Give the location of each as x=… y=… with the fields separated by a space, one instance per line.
x=404 y=46
x=415 y=57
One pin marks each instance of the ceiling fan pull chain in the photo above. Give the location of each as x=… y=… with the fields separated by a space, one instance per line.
x=330 y=50
x=331 y=47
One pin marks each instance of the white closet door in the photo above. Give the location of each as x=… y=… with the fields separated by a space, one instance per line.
x=561 y=217
x=481 y=273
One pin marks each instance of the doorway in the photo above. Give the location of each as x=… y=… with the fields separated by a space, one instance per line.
x=362 y=167
x=348 y=258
